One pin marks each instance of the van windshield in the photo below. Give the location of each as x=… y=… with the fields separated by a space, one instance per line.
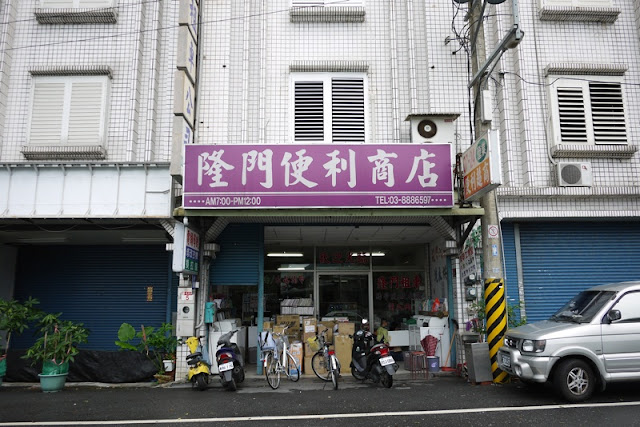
x=583 y=307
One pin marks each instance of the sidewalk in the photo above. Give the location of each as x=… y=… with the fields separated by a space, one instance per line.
x=251 y=379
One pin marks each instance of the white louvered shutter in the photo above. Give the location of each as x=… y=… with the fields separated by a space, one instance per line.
x=607 y=113
x=593 y=3
x=576 y=3
x=86 y=113
x=326 y=3
x=307 y=3
x=57 y=4
x=47 y=113
x=90 y=4
x=69 y=4
x=572 y=113
x=347 y=110
x=309 y=111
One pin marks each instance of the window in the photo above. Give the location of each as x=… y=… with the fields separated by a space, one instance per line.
x=327 y=11
x=629 y=306
x=329 y=107
x=69 y=4
x=326 y=3
x=68 y=110
x=578 y=10
x=77 y=12
x=588 y=110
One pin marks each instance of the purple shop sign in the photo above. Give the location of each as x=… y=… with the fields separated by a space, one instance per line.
x=317 y=176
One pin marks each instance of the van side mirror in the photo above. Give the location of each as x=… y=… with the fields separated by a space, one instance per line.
x=614 y=315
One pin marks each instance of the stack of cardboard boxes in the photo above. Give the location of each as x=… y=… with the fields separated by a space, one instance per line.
x=300 y=328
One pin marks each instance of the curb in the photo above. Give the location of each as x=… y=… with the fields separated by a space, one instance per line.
x=250 y=378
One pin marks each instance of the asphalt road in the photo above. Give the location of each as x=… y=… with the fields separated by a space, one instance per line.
x=440 y=401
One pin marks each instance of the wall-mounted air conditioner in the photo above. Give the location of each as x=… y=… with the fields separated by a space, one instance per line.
x=433 y=128
x=574 y=174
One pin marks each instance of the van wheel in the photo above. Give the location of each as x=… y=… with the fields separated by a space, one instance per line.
x=574 y=380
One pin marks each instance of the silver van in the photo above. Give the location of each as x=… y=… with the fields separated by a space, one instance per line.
x=591 y=341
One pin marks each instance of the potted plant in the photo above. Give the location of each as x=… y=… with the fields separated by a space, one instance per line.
x=14 y=319
x=158 y=344
x=55 y=347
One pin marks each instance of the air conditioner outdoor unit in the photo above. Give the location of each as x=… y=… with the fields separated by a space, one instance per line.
x=574 y=174
x=433 y=128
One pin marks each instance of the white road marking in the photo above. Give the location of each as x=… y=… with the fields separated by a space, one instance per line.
x=327 y=416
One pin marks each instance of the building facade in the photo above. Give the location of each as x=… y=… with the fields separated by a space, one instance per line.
x=100 y=158
x=566 y=106
x=85 y=148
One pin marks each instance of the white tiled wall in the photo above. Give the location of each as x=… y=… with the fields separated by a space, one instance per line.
x=250 y=44
x=140 y=49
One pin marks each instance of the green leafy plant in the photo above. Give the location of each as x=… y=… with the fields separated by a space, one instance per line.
x=157 y=344
x=57 y=340
x=15 y=317
x=477 y=312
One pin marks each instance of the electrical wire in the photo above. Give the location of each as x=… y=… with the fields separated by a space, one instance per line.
x=160 y=29
x=84 y=11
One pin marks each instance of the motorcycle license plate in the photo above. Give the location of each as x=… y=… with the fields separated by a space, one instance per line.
x=384 y=361
x=225 y=367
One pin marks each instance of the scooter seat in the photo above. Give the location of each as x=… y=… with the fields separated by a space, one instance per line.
x=194 y=355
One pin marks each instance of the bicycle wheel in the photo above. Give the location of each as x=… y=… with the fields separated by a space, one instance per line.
x=319 y=366
x=293 y=370
x=272 y=372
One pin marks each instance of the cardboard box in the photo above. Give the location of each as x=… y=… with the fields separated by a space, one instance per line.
x=307 y=350
x=298 y=353
x=327 y=325
x=346 y=328
x=279 y=329
x=267 y=326
x=309 y=328
x=309 y=321
x=291 y=320
x=309 y=370
x=343 y=345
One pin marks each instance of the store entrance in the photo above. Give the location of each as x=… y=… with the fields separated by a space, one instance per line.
x=344 y=296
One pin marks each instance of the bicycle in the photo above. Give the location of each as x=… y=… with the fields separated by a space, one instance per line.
x=324 y=360
x=278 y=360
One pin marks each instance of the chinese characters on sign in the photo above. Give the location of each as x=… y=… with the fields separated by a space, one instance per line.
x=186 y=250
x=398 y=292
x=192 y=251
x=291 y=175
x=343 y=258
x=482 y=169
x=184 y=84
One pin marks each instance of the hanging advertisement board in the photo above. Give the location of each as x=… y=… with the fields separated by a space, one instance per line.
x=186 y=250
x=318 y=175
x=482 y=167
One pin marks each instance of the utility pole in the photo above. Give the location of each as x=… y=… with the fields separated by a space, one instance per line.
x=493 y=274
x=491 y=246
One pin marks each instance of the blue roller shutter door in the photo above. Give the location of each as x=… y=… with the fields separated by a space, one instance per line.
x=562 y=258
x=100 y=286
x=510 y=272
x=237 y=263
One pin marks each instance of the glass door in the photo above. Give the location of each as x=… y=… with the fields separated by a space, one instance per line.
x=343 y=295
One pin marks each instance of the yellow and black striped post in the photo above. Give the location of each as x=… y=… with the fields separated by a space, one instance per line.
x=495 y=307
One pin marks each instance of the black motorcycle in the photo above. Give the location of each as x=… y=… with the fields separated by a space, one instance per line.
x=230 y=362
x=372 y=360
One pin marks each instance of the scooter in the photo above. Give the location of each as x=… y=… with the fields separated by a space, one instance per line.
x=230 y=363
x=372 y=360
x=199 y=368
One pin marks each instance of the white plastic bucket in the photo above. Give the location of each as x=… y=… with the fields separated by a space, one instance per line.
x=168 y=365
